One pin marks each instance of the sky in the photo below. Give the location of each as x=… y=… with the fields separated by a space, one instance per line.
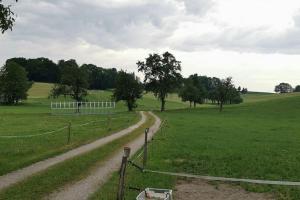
x=257 y=42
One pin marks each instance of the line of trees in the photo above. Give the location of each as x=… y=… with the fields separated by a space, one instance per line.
x=200 y=89
x=45 y=70
x=286 y=88
x=162 y=76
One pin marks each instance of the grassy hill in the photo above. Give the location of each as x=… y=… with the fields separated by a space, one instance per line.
x=258 y=139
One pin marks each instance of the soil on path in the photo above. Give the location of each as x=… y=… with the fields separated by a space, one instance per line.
x=82 y=189
x=202 y=190
x=19 y=175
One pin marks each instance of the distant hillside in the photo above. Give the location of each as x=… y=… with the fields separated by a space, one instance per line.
x=40 y=90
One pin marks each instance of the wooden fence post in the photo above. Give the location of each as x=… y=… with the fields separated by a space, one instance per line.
x=121 y=189
x=109 y=122
x=69 y=132
x=145 y=148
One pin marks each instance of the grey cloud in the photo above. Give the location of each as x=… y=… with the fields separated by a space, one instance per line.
x=124 y=26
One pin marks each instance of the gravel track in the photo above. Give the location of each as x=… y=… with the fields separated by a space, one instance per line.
x=82 y=189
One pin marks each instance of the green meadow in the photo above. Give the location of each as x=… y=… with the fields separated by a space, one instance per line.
x=33 y=117
x=258 y=139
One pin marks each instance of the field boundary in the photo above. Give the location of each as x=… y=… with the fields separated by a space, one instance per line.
x=57 y=130
x=223 y=179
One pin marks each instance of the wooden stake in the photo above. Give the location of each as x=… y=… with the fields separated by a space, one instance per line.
x=121 y=189
x=69 y=132
x=145 y=148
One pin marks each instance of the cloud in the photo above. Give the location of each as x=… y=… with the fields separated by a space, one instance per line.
x=119 y=32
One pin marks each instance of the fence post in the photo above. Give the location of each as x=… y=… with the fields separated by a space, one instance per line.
x=145 y=148
x=69 y=132
x=108 y=122
x=121 y=189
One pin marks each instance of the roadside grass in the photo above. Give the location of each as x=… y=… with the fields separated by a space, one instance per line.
x=256 y=141
x=44 y=183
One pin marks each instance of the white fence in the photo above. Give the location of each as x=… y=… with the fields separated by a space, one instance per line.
x=99 y=107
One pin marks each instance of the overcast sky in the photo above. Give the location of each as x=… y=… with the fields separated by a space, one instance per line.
x=257 y=42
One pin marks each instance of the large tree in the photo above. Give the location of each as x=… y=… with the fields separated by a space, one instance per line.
x=13 y=83
x=297 y=88
x=162 y=75
x=284 y=88
x=7 y=17
x=73 y=81
x=128 y=88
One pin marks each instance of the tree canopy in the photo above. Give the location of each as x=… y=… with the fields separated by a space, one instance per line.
x=284 y=88
x=13 y=83
x=297 y=88
x=73 y=81
x=7 y=17
x=45 y=70
x=162 y=75
x=193 y=90
x=128 y=88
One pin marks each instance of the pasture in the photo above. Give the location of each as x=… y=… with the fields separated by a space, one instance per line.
x=33 y=117
x=258 y=139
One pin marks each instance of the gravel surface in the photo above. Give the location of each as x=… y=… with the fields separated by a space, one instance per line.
x=202 y=190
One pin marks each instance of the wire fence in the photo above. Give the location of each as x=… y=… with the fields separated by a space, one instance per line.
x=108 y=120
x=135 y=170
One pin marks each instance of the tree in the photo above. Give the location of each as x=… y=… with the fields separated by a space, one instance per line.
x=100 y=78
x=234 y=96
x=188 y=93
x=128 y=88
x=73 y=80
x=223 y=90
x=193 y=90
x=7 y=18
x=13 y=83
x=244 y=91
x=162 y=75
x=284 y=88
x=297 y=88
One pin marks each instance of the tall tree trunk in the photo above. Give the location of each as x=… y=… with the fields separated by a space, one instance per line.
x=163 y=102
x=190 y=104
x=129 y=106
x=194 y=104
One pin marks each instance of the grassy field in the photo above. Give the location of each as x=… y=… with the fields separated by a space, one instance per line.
x=257 y=140
x=44 y=183
x=33 y=117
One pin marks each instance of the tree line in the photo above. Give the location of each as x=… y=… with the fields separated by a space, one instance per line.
x=45 y=70
x=162 y=76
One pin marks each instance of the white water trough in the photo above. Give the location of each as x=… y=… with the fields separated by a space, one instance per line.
x=155 y=194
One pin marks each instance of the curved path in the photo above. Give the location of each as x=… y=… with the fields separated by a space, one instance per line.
x=82 y=189
x=19 y=175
